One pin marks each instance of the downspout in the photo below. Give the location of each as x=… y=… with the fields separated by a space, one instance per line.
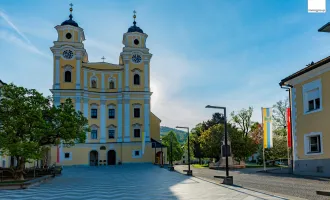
x=288 y=87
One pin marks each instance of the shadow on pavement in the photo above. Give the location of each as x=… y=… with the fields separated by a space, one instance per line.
x=286 y=173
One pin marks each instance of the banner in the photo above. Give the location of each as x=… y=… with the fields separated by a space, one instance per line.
x=143 y=142
x=267 y=114
x=288 y=126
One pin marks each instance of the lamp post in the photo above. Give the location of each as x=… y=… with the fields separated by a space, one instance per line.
x=161 y=150
x=227 y=179
x=189 y=172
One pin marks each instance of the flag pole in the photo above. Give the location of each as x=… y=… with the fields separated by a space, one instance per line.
x=263 y=143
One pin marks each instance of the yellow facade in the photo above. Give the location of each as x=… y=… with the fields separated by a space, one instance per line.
x=115 y=98
x=310 y=108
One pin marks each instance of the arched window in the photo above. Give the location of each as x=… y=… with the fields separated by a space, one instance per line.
x=94 y=85
x=112 y=85
x=67 y=76
x=136 y=79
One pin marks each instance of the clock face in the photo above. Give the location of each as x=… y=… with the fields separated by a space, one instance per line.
x=136 y=58
x=67 y=54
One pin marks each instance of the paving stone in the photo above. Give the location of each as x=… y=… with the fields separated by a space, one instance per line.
x=129 y=182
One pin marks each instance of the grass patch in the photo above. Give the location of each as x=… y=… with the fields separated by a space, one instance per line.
x=12 y=182
x=200 y=166
x=261 y=166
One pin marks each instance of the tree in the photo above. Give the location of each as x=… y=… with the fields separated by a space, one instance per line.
x=196 y=133
x=176 y=147
x=257 y=133
x=30 y=123
x=211 y=141
x=191 y=145
x=242 y=145
x=278 y=151
x=279 y=117
x=242 y=119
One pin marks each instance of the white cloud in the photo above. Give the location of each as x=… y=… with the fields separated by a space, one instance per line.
x=22 y=41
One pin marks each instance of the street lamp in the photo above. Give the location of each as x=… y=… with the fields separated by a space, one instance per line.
x=189 y=172
x=161 y=149
x=227 y=179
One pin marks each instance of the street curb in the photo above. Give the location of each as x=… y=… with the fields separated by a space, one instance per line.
x=324 y=192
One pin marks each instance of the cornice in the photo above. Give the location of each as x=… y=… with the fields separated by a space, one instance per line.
x=310 y=75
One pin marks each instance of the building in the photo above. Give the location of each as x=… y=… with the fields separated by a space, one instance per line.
x=310 y=109
x=115 y=98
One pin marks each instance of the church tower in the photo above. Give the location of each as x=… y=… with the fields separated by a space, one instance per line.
x=136 y=60
x=69 y=53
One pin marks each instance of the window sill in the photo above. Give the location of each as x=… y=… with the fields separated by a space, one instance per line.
x=313 y=154
x=136 y=156
x=313 y=111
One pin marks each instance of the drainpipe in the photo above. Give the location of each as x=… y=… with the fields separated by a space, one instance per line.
x=288 y=88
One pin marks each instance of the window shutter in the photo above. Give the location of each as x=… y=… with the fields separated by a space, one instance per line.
x=313 y=94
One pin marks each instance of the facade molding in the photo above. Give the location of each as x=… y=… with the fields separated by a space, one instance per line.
x=294 y=129
x=310 y=75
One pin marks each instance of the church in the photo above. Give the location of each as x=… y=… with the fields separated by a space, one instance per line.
x=115 y=98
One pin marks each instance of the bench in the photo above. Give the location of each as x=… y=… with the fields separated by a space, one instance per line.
x=227 y=180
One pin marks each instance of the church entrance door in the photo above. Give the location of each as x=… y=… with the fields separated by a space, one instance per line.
x=111 y=157
x=93 y=158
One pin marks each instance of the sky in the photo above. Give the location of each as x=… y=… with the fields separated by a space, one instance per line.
x=215 y=52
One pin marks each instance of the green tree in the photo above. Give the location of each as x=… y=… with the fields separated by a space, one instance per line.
x=242 y=119
x=191 y=145
x=196 y=133
x=211 y=141
x=242 y=145
x=30 y=124
x=176 y=146
x=279 y=117
x=278 y=151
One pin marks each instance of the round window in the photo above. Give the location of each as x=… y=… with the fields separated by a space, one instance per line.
x=68 y=35
x=136 y=42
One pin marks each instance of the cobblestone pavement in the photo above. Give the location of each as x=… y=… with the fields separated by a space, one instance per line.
x=130 y=182
x=279 y=184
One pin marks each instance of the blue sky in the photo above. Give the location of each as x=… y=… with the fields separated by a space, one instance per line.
x=225 y=53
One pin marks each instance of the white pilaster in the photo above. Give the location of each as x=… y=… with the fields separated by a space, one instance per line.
x=102 y=122
x=126 y=75
x=120 y=118
x=78 y=61
x=86 y=112
x=127 y=137
x=146 y=75
x=147 y=117
x=85 y=79
x=102 y=83
x=57 y=72
x=57 y=100
x=294 y=122
x=120 y=82
x=78 y=104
